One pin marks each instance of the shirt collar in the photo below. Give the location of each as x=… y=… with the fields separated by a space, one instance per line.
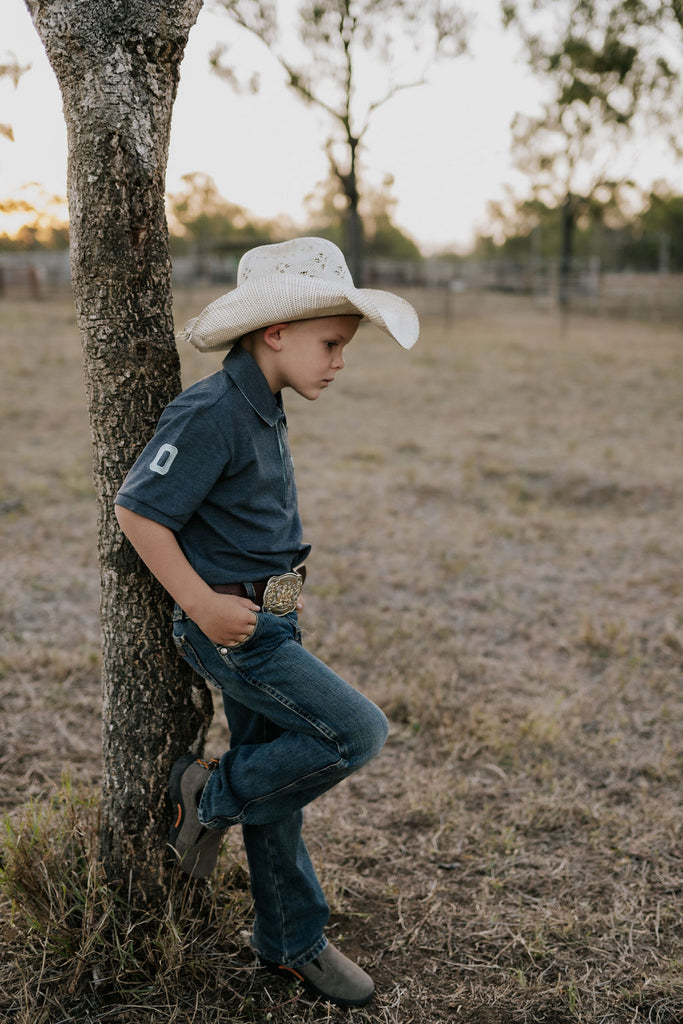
x=246 y=374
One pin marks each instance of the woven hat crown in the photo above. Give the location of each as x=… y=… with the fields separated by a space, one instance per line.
x=305 y=257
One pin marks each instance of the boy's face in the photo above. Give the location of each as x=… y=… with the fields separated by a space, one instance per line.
x=311 y=353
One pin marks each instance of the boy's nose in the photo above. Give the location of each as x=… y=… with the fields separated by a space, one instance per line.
x=338 y=361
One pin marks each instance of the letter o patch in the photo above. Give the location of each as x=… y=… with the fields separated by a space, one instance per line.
x=163 y=460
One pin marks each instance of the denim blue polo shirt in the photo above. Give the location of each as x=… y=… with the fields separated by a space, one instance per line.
x=219 y=473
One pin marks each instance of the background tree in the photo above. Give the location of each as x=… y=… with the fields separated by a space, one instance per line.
x=10 y=68
x=655 y=241
x=117 y=65
x=667 y=16
x=525 y=234
x=383 y=239
x=335 y=39
x=208 y=224
x=600 y=71
x=48 y=226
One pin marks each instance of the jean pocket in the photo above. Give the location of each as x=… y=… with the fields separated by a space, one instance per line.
x=189 y=654
x=225 y=650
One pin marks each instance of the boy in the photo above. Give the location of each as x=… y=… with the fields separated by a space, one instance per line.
x=211 y=508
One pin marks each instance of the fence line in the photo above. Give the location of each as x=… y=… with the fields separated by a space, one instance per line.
x=35 y=275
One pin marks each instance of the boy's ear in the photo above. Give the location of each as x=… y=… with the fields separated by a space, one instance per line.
x=272 y=336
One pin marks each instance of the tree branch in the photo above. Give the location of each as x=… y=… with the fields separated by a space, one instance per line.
x=385 y=99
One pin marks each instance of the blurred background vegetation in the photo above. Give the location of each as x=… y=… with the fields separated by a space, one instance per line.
x=610 y=80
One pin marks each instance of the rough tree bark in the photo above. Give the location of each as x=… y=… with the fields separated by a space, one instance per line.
x=117 y=63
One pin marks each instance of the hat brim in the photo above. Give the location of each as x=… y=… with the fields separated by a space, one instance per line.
x=284 y=297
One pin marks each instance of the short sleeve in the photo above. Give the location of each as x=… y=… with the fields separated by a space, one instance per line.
x=179 y=466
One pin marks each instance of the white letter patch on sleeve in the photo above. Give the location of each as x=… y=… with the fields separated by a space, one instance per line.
x=163 y=460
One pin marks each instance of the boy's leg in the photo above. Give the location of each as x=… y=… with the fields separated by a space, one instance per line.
x=321 y=728
x=291 y=913
x=290 y=910
x=296 y=730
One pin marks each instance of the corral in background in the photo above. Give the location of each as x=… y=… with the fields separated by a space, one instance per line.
x=646 y=296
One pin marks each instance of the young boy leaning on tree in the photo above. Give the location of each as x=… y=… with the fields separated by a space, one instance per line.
x=211 y=508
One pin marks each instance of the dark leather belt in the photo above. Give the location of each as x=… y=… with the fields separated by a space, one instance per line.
x=277 y=594
x=239 y=590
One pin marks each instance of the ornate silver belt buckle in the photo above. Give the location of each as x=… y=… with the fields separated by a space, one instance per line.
x=282 y=593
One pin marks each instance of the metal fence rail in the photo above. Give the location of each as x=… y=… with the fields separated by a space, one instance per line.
x=656 y=296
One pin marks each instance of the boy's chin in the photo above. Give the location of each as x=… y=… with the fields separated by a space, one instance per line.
x=310 y=394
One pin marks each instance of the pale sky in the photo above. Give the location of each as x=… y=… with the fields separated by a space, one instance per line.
x=446 y=143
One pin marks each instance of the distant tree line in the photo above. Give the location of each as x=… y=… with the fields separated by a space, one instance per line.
x=204 y=223
x=610 y=80
x=650 y=241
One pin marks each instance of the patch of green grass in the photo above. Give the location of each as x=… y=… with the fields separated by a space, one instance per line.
x=83 y=942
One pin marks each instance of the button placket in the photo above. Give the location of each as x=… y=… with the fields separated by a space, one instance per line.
x=285 y=458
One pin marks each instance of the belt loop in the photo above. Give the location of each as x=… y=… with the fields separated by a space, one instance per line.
x=250 y=592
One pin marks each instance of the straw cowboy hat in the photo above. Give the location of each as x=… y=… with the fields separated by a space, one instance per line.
x=297 y=280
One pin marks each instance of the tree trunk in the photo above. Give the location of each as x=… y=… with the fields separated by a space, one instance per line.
x=118 y=66
x=354 y=244
x=566 y=253
x=354 y=241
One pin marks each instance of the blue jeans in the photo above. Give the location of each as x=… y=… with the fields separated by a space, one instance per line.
x=296 y=730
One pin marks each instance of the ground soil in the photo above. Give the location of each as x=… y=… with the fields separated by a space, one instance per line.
x=496 y=529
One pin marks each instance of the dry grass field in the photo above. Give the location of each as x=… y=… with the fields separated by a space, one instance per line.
x=497 y=561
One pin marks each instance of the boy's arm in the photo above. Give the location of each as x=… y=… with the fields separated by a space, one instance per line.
x=223 y=618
